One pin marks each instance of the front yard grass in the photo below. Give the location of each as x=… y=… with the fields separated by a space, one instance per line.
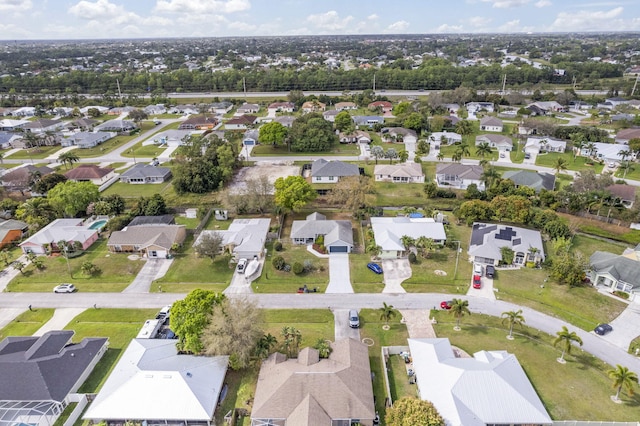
x=27 y=323
x=127 y=190
x=34 y=153
x=363 y=279
x=399 y=194
x=280 y=150
x=313 y=324
x=579 y=389
x=449 y=150
x=119 y=325
x=578 y=164
x=117 y=272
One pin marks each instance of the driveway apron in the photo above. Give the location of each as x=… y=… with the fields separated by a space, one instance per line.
x=342 y=329
x=152 y=270
x=339 y=275
x=61 y=317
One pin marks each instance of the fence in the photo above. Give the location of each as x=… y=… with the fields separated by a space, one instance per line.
x=82 y=401
x=386 y=351
x=596 y=217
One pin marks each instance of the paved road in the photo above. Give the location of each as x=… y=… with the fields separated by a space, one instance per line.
x=592 y=343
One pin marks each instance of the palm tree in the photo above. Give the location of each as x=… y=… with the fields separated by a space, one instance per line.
x=323 y=347
x=292 y=338
x=513 y=318
x=489 y=176
x=622 y=377
x=374 y=249
x=456 y=156
x=483 y=149
x=464 y=149
x=591 y=148
x=265 y=344
x=578 y=142
x=68 y=158
x=560 y=164
x=459 y=308
x=391 y=154
x=440 y=156
x=1 y=158
x=566 y=338
x=403 y=156
x=377 y=151
x=426 y=245
x=386 y=313
x=407 y=242
x=624 y=153
x=627 y=167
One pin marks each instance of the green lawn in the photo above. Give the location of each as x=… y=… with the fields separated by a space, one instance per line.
x=27 y=323
x=270 y=150
x=448 y=150
x=119 y=325
x=313 y=324
x=363 y=279
x=241 y=390
x=34 y=153
x=399 y=380
x=189 y=223
x=113 y=143
x=117 y=272
x=128 y=190
x=399 y=194
x=587 y=245
x=633 y=173
x=579 y=389
x=577 y=164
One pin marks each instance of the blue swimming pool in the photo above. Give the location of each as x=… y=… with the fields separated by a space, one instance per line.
x=98 y=224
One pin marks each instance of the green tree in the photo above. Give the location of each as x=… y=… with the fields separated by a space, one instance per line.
x=414 y=122
x=351 y=192
x=45 y=183
x=464 y=127
x=209 y=245
x=70 y=198
x=37 y=212
x=568 y=268
x=440 y=156
x=293 y=192
x=137 y=115
x=265 y=345
x=291 y=340
x=622 y=377
x=377 y=152
x=68 y=158
x=459 y=308
x=426 y=246
x=343 y=121
x=191 y=315
x=489 y=176
x=560 y=165
x=403 y=156
x=506 y=255
x=19 y=266
x=312 y=133
x=513 y=318
x=483 y=149
x=387 y=312
x=273 y=133
x=5 y=258
x=323 y=347
x=89 y=269
x=409 y=411
x=566 y=338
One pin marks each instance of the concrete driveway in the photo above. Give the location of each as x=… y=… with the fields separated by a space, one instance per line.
x=61 y=317
x=625 y=328
x=486 y=290
x=506 y=158
x=395 y=272
x=151 y=271
x=241 y=283
x=339 y=275
x=9 y=314
x=342 y=329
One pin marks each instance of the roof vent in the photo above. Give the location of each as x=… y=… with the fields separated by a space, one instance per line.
x=189 y=374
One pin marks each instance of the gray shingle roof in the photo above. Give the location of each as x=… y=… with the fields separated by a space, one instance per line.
x=535 y=180
x=144 y=236
x=324 y=168
x=462 y=171
x=333 y=230
x=142 y=171
x=488 y=238
x=620 y=267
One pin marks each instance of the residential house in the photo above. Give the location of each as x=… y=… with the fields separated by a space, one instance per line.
x=460 y=176
x=313 y=106
x=487 y=240
x=399 y=173
x=40 y=373
x=19 y=178
x=535 y=180
x=6 y=138
x=384 y=106
x=445 y=138
x=173 y=137
x=24 y=112
x=491 y=124
x=43 y=125
x=346 y=106
x=198 y=122
x=11 y=230
x=367 y=120
x=91 y=173
x=475 y=107
x=12 y=125
x=248 y=109
x=142 y=173
x=83 y=124
x=121 y=110
x=250 y=137
x=68 y=230
x=281 y=107
x=609 y=152
x=358 y=136
x=330 y=115
x=245 y=238
x=612 y=103
x=285 y=120
x=153 y=384
x=536 y=145
x=489 y=389
x=241 y=122
x=337 y=234
x=622 y=117
x=616 y=272
x=388 y=233
x=451 y=108
x=323 y=171
x=151 y=241
x=626 y=194
x=501 y=142
x=164 y=219
x=156 y=109
x=221 y=108
x=545 y=107
x=399 y=134
x=310 y=391
x=119 y=126
x=87 y=139
x=101 y=109
x=625 y=135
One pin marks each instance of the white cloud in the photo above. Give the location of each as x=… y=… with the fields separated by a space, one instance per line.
x=242 y=26
x=446 y=28
x=397 y=27
x=330 y=21
x=506 y=4
x=372 y=17
x=479 y=21
x=202 y=6
x=101 y=9
x=15 y=5
x=591 y=21
x=543 y=3
x=514 y=26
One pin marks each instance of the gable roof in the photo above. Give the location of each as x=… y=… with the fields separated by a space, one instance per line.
x=61 y=229
x=620 y=267
x=199 y=120
x=491 y=121
x=627 y=134
x=324 y=168
x=88 y=171
x=488 y=238
x=316 y=224
x=45 y=367
x=622 y=191
x=462 y=171
x=144 y=236
x=491 y=388
x=408 y=170
x=243 y=119
x=535 y=180
x=41 y=123
x=307 y=390
x=246 y=235
x=142 y=170
x=20 y=176
x=7 y=226
x=495 y=139
x=151 y=381
x=388 y=231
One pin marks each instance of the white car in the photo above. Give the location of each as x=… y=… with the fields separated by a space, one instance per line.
x=242 y=264
x=612 y=165
x=502 y=155
x=477 y=269
x=64 y=288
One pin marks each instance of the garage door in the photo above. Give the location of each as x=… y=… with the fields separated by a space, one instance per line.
x=338 y=249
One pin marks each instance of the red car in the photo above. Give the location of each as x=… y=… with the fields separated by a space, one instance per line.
x=477 y=281
x=446 y=304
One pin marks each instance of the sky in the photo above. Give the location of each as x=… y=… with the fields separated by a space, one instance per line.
x=91 y=19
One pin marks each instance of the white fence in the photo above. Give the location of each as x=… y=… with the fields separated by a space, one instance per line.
x=82 y=401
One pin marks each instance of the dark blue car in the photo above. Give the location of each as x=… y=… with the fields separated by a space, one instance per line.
x=375 y=267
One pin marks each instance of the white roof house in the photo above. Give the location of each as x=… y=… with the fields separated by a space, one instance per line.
x=388 y=232
x=606 y=151
x=445 y=137
x=245 y=237
x=541 y=144
x=152 y=383
x=490 y=388
x=487 y=239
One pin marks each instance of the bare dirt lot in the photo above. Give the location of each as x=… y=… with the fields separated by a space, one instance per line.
x=272 y=170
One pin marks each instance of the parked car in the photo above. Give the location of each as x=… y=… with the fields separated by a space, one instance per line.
x=527 y=156
x=502 y=155
x=375 y=267
x=612 y=165
x=242 y=264
x=490 y=271
x=64 y=288
x=477 y=281
x=446 y=304
x=354 y=320
x=164 y=313
x=477 y=269
x=603 y=329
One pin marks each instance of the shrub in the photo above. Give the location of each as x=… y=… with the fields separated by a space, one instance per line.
x=320 y=240
x=308 y=266
x=297 y=268
x=412 y=258
x=277 y=246
x=278 y=263
x=621 y=294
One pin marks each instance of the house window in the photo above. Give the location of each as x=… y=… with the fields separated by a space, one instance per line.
x=331 y=177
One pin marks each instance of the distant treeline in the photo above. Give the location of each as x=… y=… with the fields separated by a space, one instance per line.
x=434 y=74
